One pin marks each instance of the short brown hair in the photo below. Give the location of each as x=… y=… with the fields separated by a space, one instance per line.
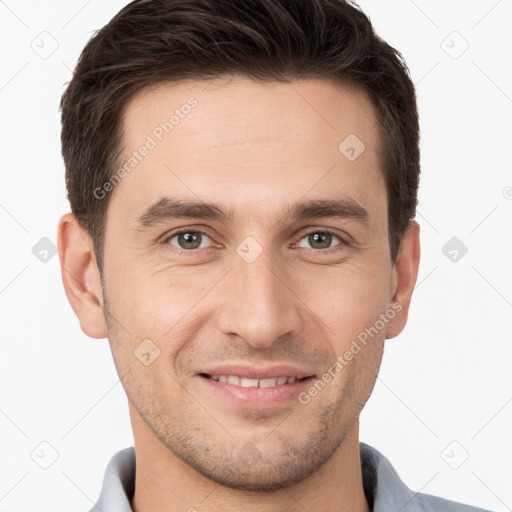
x=152 y=41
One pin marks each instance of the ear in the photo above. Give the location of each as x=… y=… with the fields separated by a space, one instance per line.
x=81 y=276
x=405 y=273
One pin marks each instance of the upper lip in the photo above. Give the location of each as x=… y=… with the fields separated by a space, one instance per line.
x=258 y=372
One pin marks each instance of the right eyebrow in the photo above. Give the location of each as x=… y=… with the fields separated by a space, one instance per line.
x=168 y=208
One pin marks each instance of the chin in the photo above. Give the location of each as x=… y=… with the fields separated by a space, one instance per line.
x=263 y=478
x=248 y=468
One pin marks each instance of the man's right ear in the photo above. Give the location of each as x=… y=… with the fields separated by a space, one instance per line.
x=81 y=276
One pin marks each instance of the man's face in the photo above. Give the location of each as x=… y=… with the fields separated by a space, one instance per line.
x=259 y=293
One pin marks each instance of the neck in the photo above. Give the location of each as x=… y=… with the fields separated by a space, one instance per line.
x=164 y=483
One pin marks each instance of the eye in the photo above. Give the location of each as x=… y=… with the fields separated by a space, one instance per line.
x=188 y=240
x=320 y=240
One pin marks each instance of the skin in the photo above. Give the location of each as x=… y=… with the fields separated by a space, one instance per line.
x=257 y=149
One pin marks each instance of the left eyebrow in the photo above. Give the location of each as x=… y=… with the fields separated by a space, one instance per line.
x=344 y=208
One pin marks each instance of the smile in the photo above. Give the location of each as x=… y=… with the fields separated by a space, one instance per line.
x=245 y=382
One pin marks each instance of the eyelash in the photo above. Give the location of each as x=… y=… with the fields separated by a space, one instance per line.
x=337 y=247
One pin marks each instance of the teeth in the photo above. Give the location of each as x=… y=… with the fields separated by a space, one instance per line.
x=248 y=383
x=254 y=383
x=268 y=383
x=233 y=379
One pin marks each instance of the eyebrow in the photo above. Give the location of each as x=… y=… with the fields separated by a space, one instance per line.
x=167 y=208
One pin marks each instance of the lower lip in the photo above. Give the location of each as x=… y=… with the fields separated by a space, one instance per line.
x=258 y=398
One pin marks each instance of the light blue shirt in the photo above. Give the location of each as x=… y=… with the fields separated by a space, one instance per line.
x=384 y=490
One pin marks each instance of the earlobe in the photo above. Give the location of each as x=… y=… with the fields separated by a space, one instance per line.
x=404 y=278
x=81 y=276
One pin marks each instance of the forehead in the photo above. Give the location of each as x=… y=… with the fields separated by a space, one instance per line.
x=250 y=145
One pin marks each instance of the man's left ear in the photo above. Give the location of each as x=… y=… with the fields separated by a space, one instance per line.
x=405 y=274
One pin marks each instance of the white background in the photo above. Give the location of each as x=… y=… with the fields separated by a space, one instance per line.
x=446 y=378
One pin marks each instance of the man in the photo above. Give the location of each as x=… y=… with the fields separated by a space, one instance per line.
x=243 y=183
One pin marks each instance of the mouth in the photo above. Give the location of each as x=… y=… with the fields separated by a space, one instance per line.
x=246 y=382
x=255 y=388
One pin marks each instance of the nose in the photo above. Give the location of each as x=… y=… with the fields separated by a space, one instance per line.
x=259 y=303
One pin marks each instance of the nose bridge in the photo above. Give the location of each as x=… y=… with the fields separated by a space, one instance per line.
x=259 y=306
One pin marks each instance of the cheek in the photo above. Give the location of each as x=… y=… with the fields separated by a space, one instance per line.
x=347 y=299
x=168 y=307
x=145 y=293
